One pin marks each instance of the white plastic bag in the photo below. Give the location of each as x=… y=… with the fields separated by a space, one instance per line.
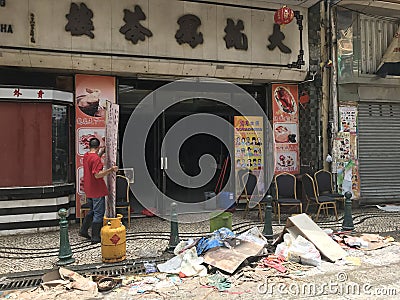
x=303 y=251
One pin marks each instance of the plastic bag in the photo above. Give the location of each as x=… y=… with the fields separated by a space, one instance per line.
x=304 y=252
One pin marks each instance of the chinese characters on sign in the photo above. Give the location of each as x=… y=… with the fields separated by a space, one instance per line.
x=285 y=124
x=276 y=40
x=187 y=33
x=249 y=155
x=80 y=23
x=234 y=37
x=133 y=30
x=80 y=20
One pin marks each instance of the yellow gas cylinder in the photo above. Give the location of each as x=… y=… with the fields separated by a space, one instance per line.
x=113 y=240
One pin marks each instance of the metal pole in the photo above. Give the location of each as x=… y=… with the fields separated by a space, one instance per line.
x=174 y=235
x=267 y=232
x=325 y=86
x=348 y=218
x=65 y=253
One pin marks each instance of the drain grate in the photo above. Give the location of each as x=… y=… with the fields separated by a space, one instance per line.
x=32 y=279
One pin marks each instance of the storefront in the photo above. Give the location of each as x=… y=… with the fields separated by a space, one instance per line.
x=369 y=106
x=147 y=44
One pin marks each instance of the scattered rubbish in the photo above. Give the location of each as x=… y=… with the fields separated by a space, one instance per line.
x=273 y=261
x=69 y=279
x=229 y=260
x=303 y=225
x=364 y=241
x=353 y=261
x=298 y=250
x=389 y=208
x=186 y=263
x=216 y=239
x=107 y=284
x=253 y=235
x=150 y=267
x=218 y=281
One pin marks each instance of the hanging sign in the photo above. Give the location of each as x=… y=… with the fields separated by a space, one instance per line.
x=249 y=153
x=286 y=128
x=91 y=95
x=111 y=155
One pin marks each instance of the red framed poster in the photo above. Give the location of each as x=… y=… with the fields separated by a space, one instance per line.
x=92 y=92
x=286 y=127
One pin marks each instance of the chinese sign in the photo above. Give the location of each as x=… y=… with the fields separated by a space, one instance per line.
x=91 y=96
x=345 y=155
x=112 y=120
x=249 y=153
x=203 y=31
x=286 y=128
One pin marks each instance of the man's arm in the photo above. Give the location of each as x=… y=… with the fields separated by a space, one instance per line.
x=104 y=173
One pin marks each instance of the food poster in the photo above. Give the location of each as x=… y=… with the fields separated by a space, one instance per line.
x=286 y=128
x=345 y=150
x=112 y=121
x=249 y=151
x=91 y=95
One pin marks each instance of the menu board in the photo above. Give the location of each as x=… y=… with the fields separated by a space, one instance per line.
x=91 y=95
x=249 y=151
x=286 y=128
x=112 y=121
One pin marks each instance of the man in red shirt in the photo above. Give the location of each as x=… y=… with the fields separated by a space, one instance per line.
x=95 y=189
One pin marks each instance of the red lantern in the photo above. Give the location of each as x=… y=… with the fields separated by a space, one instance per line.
x=284 y=15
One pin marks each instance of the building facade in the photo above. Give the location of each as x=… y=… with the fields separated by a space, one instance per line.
x=144 y=45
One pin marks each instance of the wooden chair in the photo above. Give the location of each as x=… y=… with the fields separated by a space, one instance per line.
x=122 y=196
x=285 y=186
x=324 y=185
x=323 y=202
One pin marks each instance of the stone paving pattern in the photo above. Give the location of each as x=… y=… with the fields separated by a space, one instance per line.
x=149 y=237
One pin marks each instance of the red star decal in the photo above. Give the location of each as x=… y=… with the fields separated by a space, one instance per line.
x=17 y=93
x=40 y=94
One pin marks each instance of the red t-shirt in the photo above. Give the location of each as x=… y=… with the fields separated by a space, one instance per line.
x=94 y=188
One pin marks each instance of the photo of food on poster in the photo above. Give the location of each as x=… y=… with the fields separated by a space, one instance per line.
x=286 y=160
x=286 y=127
x=248 y=141
x=285 y=132
x=285 y=103
x=92 y=93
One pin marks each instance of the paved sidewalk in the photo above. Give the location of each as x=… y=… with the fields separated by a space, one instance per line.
x=148 y=237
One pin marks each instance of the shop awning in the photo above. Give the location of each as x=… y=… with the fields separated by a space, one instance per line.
x=390 y=64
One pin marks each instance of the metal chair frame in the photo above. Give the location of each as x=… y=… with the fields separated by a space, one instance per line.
x=278 y=204
x=248 y=197
x=322 y=205
x=331 y=190
x=128 y=206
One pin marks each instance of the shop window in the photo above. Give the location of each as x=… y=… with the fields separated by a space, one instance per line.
x=60 y=143
x=36 y=142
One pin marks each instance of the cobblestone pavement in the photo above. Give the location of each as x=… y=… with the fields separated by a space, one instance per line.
x=378 y=277
x=148 y=237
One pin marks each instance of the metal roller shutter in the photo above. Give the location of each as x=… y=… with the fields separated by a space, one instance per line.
x=379 y=152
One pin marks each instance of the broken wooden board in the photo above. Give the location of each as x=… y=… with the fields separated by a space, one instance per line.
x=229 y=260
x=307 y=228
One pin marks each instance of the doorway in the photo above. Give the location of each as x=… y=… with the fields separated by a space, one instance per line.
x=131 y=92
